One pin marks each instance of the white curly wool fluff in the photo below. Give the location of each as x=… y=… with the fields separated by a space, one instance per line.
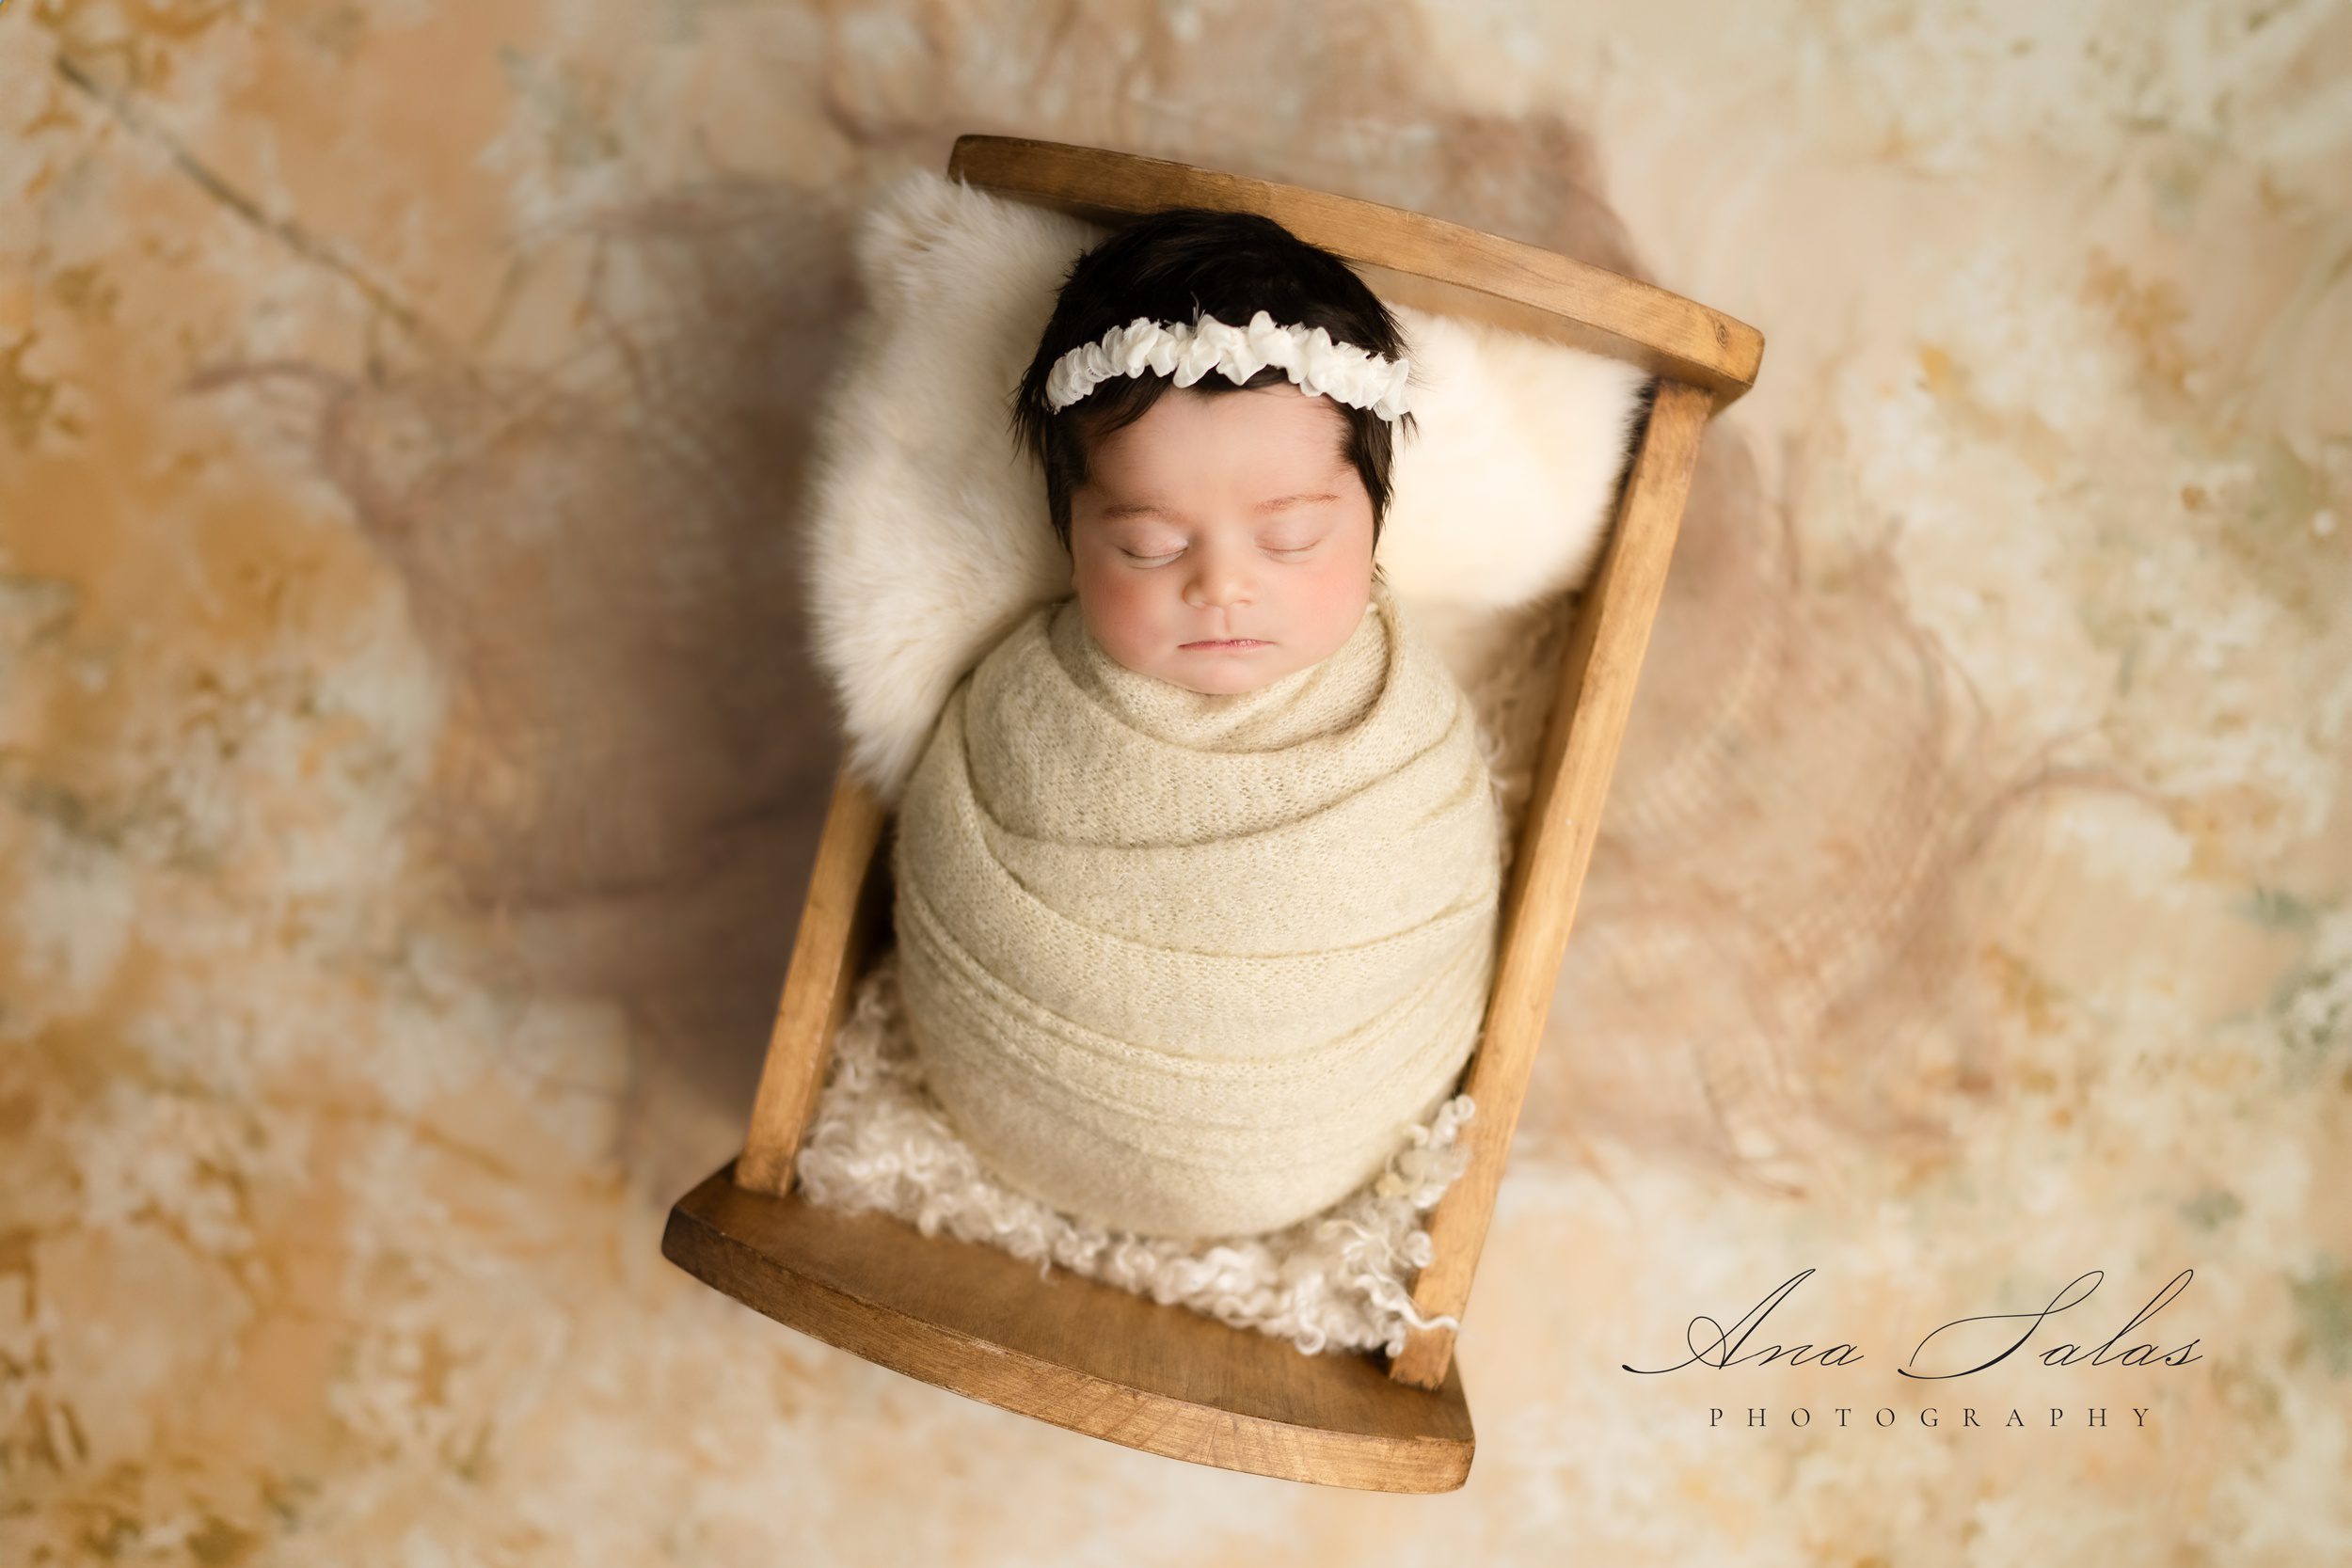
x=1337 y=1281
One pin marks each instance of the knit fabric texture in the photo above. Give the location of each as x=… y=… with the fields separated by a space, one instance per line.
x=1194 y=965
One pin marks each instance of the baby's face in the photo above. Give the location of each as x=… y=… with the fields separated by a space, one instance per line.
x=1223 y=541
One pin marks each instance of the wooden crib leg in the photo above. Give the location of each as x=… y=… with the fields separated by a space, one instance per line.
x=837 y=924
x=1597 y=673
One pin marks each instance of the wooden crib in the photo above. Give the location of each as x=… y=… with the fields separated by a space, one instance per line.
x=1090 y=1357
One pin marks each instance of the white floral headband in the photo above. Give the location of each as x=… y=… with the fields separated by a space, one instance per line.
x=1313 y=361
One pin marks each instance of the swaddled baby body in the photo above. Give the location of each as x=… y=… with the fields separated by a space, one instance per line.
x=1191 y=965
x=1197 y=879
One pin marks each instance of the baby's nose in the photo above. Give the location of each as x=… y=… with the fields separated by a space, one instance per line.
x=1217 y=595
x=1218 y=581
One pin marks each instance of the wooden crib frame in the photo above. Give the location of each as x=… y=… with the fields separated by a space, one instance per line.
x=1105 y=1361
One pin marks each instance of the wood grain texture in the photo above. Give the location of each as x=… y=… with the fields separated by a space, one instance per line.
x=1599 y=670
x=1087 y=1356
x=1406 y=257
x=838 y=927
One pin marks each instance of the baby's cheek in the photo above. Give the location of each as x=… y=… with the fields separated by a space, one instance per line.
x=1334 y=596
x=1119 y=610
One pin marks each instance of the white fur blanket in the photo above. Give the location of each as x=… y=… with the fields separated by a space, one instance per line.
x=927 y=536
x=1193 y=965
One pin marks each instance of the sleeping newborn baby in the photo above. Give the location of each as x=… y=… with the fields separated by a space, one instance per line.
x=1198 y=877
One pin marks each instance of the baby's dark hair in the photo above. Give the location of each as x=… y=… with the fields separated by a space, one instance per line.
x=1176 y=265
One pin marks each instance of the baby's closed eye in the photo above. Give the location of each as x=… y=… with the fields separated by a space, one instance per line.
x=1287 y=543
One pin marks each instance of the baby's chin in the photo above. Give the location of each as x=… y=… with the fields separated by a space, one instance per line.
x=1220 y=689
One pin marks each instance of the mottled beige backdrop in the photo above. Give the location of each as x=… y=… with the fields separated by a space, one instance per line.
x=409 y=768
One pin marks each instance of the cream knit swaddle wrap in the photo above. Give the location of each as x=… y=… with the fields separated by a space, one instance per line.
x=1193 y=965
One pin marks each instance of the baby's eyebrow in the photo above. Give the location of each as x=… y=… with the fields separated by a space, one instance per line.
x=1147 y=509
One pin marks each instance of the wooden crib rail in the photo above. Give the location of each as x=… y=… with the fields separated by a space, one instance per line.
x=848 y=900
x=1598 y=670
x=1407 y=257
